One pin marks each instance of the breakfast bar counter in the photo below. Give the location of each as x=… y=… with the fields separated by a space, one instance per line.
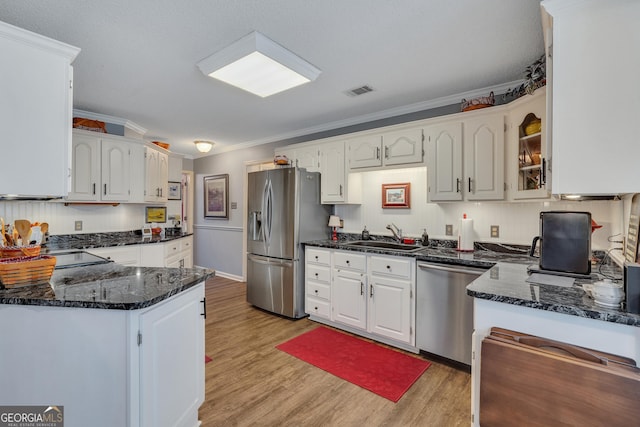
x=112 y=345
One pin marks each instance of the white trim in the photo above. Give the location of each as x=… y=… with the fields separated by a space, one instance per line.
x=384 y=114
x=38 y=41
x=217 y=227
x=223 y=274
x=110 y=119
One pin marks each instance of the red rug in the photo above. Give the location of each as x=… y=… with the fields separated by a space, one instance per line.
x=383 y=371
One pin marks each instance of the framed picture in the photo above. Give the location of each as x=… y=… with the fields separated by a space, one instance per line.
x=175 y=190
x=156 y=214
x=396 y=196
x=216 y=196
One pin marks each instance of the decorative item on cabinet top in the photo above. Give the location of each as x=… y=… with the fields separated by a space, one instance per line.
x=477 y=103
x=535 y=77
x=88 y=124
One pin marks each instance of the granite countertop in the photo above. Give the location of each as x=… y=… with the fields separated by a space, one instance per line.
x=506 y=283
x=107 y=286
x=485 y=255
x=104 y=240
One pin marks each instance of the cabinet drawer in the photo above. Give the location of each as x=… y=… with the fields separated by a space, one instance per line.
x=349 y=260
x=315 y=272
x=172 y=248
x=397 y=267
x=317 y=307
x=318 y=256
x=186 y=243
x=318 y=290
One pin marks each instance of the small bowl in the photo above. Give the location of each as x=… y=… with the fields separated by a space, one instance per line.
x=156 y=230
x=608 y=293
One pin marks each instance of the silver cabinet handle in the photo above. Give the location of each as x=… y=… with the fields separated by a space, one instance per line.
x=94 y=188
x=457 y=185
x=371 y=291
x=105 y=189
x=361 y=288
x=377 y=153
x=341 y=189
x=469 y=184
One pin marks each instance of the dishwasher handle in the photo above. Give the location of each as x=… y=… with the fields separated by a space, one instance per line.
x=452 y=268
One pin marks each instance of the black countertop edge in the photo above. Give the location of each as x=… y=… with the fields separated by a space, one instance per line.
x=506 y=283
x=480 y=258
x=65 y=242
x=125 y=288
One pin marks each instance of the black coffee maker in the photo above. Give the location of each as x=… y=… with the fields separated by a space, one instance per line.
x=565 y=243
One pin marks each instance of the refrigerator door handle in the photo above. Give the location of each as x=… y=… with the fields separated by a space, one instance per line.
x=266 y=233
x=269 y=261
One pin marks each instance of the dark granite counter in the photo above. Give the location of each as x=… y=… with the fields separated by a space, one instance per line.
x=107 y=286
x=104 y=240
x=506 y=283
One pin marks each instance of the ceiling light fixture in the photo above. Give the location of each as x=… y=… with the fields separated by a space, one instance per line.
x=258 y=65
x=203 y=146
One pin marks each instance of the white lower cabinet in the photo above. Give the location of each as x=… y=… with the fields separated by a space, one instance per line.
x=177 y=253
x=125 y=255
x=135 y=368
x=370 y=295
x=172 y=382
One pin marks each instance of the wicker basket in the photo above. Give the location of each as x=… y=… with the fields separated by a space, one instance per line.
x=28 y=270
x=19 y=251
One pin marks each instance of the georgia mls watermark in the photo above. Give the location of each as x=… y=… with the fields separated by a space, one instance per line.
x=31 y=416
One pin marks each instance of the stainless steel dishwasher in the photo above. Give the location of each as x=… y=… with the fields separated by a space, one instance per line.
x=444 y=312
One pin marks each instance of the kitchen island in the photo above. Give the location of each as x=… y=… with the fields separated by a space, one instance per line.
x=503 y=298
x=113 y=345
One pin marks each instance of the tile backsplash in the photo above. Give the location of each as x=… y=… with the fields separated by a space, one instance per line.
x=95 y=218
x=518 y=221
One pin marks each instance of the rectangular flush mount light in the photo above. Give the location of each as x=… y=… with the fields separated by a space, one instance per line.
x=258 y=65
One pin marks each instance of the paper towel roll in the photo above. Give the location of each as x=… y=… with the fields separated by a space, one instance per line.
x=465 y=234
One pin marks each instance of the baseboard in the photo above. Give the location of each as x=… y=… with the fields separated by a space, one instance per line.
x=225 y=275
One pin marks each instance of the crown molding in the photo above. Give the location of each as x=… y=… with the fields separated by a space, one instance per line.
x=110 y=119
x=38 y=41
x=384 y=114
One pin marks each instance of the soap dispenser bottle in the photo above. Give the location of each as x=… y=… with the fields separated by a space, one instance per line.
x=425 y=238
x=365 y=234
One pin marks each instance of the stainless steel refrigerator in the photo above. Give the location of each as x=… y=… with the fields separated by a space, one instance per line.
x=284 y=210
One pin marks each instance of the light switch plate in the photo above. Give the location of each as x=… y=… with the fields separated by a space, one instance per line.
x=78 y=226
x=495 y=231
x=449 y=230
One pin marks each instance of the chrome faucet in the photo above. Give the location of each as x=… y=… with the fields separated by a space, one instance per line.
x=397 y=233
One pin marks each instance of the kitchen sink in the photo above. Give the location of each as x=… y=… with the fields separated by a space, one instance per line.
x=385 y=245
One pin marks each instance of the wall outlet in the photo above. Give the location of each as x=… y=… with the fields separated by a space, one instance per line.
x=78 y=226
x=448 y=230
x=234 y=205
x=495 y=231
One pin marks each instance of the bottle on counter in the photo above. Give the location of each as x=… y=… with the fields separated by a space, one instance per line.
x=365 y=234
x=425 y=238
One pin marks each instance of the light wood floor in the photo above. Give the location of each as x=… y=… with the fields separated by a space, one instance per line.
x=251 y=383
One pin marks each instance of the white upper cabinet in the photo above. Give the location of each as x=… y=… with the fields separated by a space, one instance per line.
x=444 y=161
x=401 y=147
x=99 y=168
x=365 y=151
x=595 y=102
x=35 y=112
x=308 y=158
x=332 y=175
x=156 y=175
x=483 y=146
x=465 y=158
x=526 y=150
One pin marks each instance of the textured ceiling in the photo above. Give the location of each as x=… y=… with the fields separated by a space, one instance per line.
x=138 y=59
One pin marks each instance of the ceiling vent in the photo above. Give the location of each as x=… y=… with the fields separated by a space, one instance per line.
x=359 y=90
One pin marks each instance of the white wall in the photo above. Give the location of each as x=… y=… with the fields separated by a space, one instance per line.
x=95 y=218
x=518 y=221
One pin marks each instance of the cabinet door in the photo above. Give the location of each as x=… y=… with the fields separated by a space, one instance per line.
x=163 y=176
x=332 y=178
x=115 y=171
x=390 y=308
x=365 y=152
x=484 y=157
x=35 y=107
x=308 y=158
x=349 y=298
x=402 y=147
x=151 y=188
x=85 y=168
x=444 y=161
x=125 y=255
x=172 y=382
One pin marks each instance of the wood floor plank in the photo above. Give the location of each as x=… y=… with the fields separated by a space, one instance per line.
x=251 y=383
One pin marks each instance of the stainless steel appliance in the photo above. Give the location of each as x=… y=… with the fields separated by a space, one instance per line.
x=71 y=259
x=565 y=242
x=444 y=321
x=284 y=210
